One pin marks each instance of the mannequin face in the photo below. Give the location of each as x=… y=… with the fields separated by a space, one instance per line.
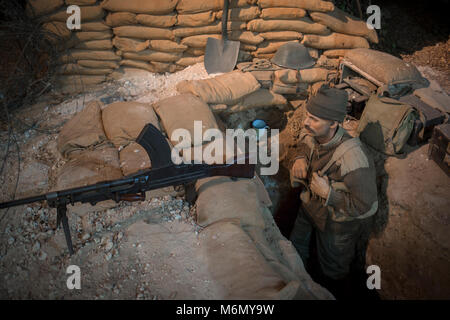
x=321 y=129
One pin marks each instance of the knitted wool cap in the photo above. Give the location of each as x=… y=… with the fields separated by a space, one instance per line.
x=328 y=103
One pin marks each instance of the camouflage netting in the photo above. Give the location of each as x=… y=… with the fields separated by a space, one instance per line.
x=169 y=35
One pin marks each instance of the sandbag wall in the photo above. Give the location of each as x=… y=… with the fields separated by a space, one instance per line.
x=87 y=55
x=168 y=35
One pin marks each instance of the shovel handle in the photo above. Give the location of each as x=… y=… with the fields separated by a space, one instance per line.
x=225 y=19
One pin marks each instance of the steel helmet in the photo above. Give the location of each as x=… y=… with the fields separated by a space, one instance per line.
x=293 y=55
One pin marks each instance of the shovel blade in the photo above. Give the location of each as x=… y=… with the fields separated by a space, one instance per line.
x=220 y=55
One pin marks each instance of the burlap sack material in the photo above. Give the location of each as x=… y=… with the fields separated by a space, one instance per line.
x=152 y=55
x=342 y=22
x=165 y=21
x=145 y=33
x=215 y=28
x=95 y=45
x=196 y=19
x=133 y=158
x=80 y=54
x=167 y=46
x=82 y=36
x=281 y=35
x=198 y=41
x=384 y=67
x=189 y=60
x=241 y=14
x=130 y=45
x=227 y=88
x=140 y=6
x=246 y=37
x=124 y=121
x=98 y=64
x=89 y=167
x=282 y=13
x=95 y=26
x=311 y=75
x=334 y=41
x=36 y=8
x=259 y=99
x=313 y=5
x=85 y=129
x=303 y=25
x=191 y=108
x=71 y=84
x=196 y=6
x=73 y=69
x=300 y=88
x=118 y=19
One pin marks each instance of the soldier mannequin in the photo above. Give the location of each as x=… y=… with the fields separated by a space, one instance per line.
x=340 y=194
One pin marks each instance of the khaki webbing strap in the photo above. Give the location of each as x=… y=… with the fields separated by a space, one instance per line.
x=339 y=152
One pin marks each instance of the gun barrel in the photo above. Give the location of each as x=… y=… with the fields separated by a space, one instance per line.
x=19 y=202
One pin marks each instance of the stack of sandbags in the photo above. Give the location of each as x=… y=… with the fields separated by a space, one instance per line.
x=123 y=122
x=143 y=33
x=91 y=158
x=199 y=20
x=288 y=81
x=87 y=54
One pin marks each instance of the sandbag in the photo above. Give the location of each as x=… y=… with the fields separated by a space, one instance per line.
x=196 y=19
x=118 y=19
x=247 y=47
x=167 y=46
x=234 y=263
x=137 y=64
x=145 y=33
x=87 y=13
x=98 y=64
x=161 y=67
x=259 y=99
x=304 y=25
x=226 y=88
x=283 y=88
x=191 y=108
x=82 y=36
x=36 y=8
x=335 y=53
x=72 y=68
x=79 y=54
x=313 y=5
x=90 y=167
x=281 y=35
x=386 y=124
x=164 y=21
x=241 y=14
x=270 y=47
x=267 y=56
x=85 y=129
x=56 y=31
x=124 y=121
x=198 y=41
x=385 y=67
x=342 y=22
x=246 y=37
x=238 y=199
x=327 y=63
x=95 y=26
x=282 y=13
x=194 y=52
x=188 y=61
x=81 y=2
x=311 y=75
x=182 y=32
x=140 y=6
x=334 y=41
x=95 y=45
x=196 y=6
x=79 y=81
x=152 y=55
x=133 y=158
x=130 y=45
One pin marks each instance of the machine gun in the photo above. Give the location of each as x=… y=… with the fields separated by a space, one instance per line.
x=132 y=188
